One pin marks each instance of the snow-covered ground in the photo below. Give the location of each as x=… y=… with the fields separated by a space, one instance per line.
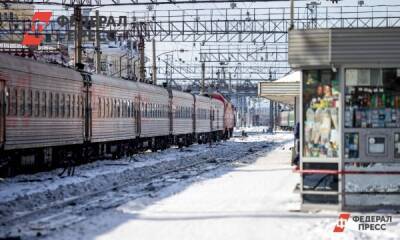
x=245 y=192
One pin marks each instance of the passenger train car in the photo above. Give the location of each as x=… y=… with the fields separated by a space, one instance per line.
x=51 y=114
x=286 y=120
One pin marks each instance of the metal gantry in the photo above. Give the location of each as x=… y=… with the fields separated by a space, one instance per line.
x=224 y=36
x=248 y=53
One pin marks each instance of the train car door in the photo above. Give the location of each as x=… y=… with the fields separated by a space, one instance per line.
x=138 y=118
x=194 y=114
x=87 y=106
x=2 y=111
x=170 y=111
x=211 y=119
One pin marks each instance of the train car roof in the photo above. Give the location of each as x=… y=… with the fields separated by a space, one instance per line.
x=180 y=94
x=202 y=98
x=152 y=88
x=113 y=81
x=30 y=66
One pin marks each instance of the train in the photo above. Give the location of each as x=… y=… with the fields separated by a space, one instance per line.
x=286 y=120
x=51 y=115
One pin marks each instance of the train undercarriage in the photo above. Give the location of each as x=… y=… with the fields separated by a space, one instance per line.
x=28 y=161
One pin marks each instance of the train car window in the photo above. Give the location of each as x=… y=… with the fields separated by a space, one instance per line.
x=99 y=108
x=68 y=106
x=136 y=111
x=21 y=101
x=37 y=104
x=111 y=108
x=149 y=109
x=7 y=100
x=13 y=105
x=62 y=113
x=83 y=106
x=123 y=108
x=29 y=103
x=118 y=108
x=50 y=105
x=43 y=104
x=78 y=106
x=104 y=109
x=115 y=108
x=108 y=108
x=164 y=110
x=109 y=102
x=55 y=105
x=132 y=109
x=73 y=106
x=128 y=110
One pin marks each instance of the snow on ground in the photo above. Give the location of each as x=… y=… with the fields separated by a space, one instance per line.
x=253 y=200
x=26 y=192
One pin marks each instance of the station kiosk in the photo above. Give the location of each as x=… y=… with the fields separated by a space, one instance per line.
x=349 y=117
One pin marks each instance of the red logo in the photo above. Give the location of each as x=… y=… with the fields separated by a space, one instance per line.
x=343 y=218
x=42 y=19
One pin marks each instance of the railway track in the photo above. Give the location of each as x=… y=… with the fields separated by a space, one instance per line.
x=44 y=219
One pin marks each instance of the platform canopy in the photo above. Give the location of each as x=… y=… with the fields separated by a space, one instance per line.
x=283 y=90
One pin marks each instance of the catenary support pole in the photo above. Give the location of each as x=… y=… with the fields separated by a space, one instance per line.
x=154 y=63
x=78 y=34
x=98 y=50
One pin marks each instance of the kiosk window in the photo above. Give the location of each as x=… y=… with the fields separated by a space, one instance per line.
x=321 y=110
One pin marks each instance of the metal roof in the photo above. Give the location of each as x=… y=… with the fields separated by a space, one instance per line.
x=283 y=90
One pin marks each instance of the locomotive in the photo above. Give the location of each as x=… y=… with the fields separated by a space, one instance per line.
x=51 y=114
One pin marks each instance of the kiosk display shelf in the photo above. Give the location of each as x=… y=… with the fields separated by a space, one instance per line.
x=321 y=112
x=372 y=98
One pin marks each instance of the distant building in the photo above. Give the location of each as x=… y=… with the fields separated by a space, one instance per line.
x=14 y=21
